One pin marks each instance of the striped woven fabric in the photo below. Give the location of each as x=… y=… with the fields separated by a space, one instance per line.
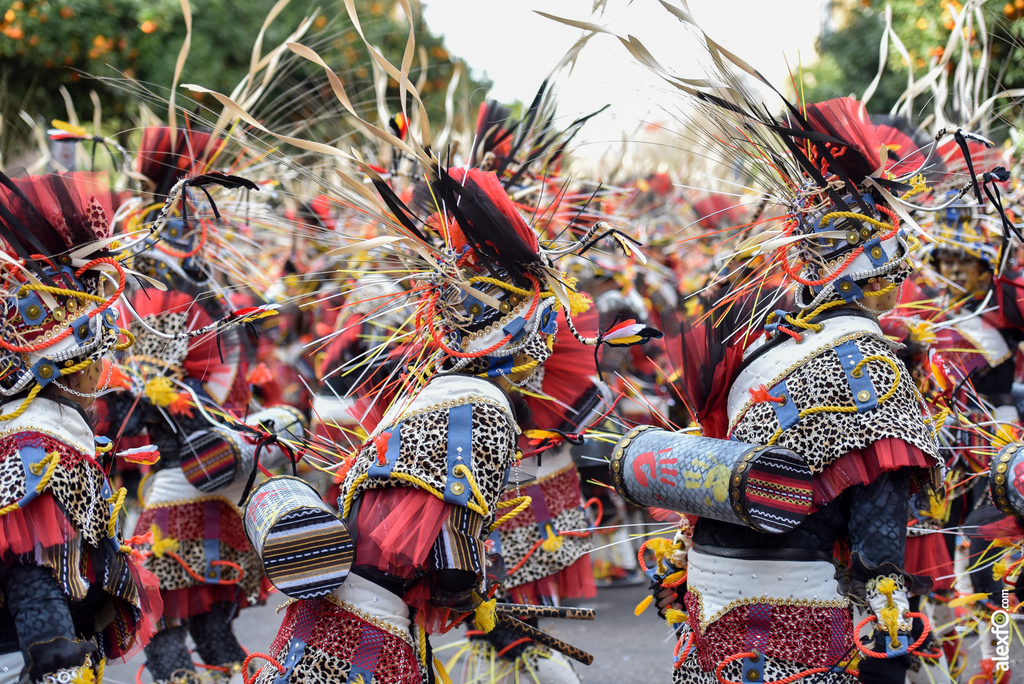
x=308 y=553
x=212 y=461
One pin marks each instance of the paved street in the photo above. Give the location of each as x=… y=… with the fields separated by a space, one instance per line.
x=626 y=648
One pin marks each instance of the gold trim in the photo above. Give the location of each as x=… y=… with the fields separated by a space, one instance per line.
x=758 y=600
x=376 y=622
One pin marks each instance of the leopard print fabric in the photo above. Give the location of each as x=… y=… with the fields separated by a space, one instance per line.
x=560 y=497
x=424 y=449
x=185 y=523
x=775 y=669
x=158 y=351
x=822 y=438
x=76 y=483
x=338 y=640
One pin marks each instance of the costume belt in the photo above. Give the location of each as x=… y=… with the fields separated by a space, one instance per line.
x=726 y=583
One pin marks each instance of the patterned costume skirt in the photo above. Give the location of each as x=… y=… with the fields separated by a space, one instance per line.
x=199 y=552
x=58 y=516
x=791 y=612
x=545 y=547
x=361 y=630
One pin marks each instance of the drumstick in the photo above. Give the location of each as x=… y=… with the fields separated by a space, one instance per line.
x=526 y=611
x=545 y=639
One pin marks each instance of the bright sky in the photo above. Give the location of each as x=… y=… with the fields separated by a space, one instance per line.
x=516 y=48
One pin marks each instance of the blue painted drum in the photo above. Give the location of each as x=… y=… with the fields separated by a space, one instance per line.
x=766 y=488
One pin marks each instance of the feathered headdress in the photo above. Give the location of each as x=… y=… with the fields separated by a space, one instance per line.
x=59 y=280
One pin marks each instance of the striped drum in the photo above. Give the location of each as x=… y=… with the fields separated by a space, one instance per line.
x=306 y=548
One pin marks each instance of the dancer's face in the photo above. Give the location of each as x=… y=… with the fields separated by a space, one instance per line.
x=967 y=274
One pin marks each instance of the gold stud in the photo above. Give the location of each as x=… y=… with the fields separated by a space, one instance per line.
x=876 y=252
x=617 y=466
x=853 y=237
x=618 y=453
x=625 y=442
x=46 y=372
x=58 y=315
x=458 y=488
x=846 y=286
x=72 y=305
x=863 y=396
x=83 y=330
x=33 y=311
x=1001 y=468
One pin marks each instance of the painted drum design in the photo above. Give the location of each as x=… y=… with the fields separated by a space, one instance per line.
x=306 y=548
x=766 y=488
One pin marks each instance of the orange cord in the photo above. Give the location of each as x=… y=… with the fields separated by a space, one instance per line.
x=912 y=649
x=264 y=656
x=200 y=578
x=680 y=659
x=42 y=344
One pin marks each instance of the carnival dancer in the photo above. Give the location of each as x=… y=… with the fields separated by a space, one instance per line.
x=425 y=491
x=190 y=364
x=814 y=435
x=545 y=548
x=73 y=595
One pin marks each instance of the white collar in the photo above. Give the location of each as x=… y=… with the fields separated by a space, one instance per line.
x=51 y=418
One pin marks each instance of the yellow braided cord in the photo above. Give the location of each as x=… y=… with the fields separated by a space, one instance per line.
x=938 y=420
x=61 y=291
x=118 y=501
x=50 y=463
x=521 y=503
x=884 y=291
x=508 y=286
x=7 y=509
x=856 y=372
x=462 y=470
x=104 y=448
x=24 y=405
x=352 y=493
x=100 y=669
x=81 y=365
x=131 y=340
x=423 y=645
x=881 y=225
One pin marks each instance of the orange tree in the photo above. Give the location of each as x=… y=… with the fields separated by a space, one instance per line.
x=849 y=55
x=51 y=43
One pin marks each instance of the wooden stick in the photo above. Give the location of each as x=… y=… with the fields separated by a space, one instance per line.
x=521 y=610
x=545 y=639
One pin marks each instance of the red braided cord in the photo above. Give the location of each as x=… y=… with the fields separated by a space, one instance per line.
x=640 y=555
x=912 y=649
x=600 y=509
x=264 y=656
x=680 y=659
x=785 y=680
x=42 y=344
x=199 y=578
x=185 y=255
x=477 y=354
